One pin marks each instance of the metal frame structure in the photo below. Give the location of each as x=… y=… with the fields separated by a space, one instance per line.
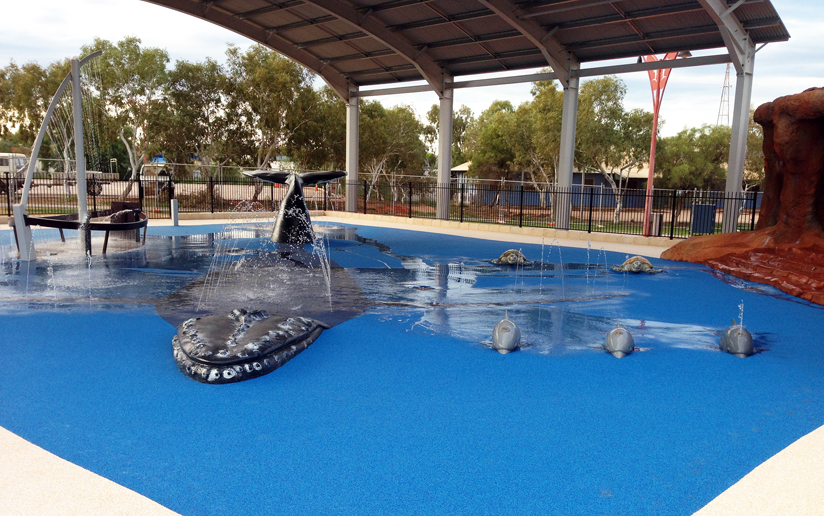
x=25 y=243
x=357 y=43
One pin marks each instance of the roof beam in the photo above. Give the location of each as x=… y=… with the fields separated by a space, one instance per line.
x=435 y=75
x=735 y=36
x=536 y=77
x=305 y=23
x=492 y=57
x=559 y=59
x=640 y=14
x=360 y=55
x=762 y=23
x=637 y=38
x=442 y=20
x=331 y=39
x=268 y=9
x=254 y=31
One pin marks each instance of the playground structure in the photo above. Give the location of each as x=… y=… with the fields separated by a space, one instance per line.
x=84 y=220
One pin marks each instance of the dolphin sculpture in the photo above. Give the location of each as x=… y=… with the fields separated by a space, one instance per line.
x=293 y=225
x=506 y=336
x=737 y=341
x=619 y=342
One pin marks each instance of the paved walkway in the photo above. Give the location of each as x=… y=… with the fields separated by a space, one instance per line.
x=34 y=482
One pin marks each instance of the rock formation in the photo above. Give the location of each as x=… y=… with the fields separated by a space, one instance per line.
x=786 y=249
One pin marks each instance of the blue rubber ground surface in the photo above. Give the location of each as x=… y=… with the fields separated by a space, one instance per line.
x=401 y=411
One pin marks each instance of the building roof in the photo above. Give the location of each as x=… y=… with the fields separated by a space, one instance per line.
x=463 y=167
x=353 y=43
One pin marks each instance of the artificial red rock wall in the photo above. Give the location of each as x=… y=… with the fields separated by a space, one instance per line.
x=787 y=248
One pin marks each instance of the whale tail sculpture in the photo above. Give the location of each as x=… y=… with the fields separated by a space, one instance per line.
x=293 y=225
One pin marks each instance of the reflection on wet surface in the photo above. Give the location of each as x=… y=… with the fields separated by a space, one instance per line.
x=339 y=278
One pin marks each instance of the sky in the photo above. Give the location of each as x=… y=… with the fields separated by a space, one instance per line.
x=49 y=30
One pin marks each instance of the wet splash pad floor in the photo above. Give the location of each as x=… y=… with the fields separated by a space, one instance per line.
x=401 y=410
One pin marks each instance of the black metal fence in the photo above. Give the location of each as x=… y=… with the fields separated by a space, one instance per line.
x=675 y=213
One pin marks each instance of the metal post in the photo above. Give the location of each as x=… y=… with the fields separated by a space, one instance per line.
x=521 y=214
x=738 y=139
x=140 y=192
x=272 y=195
x=365 y=199
x=79 y=155
x=352 y=142
x=754 y=204
x=566 y=157
x=410 y=199
x=672 y=217
x=211 y=194
x=325 y=193
x=591 y=202
x=444 y=155
x=8 y=195
x=463 y=187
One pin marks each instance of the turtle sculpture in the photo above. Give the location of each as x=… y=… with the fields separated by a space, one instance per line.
x=512 y=257
x=636 y=264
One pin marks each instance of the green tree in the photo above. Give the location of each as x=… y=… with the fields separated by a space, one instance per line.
x=133 y=80
x=462 y=118
x=192 y=120
x=391 y=142
x=609 y=138
x=754 y=164
x=489 y=142
x=694 y=158
x=273 y=95
x=25 y=94
x=320 y=143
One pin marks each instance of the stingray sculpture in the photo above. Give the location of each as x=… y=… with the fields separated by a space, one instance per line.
x=293 y=225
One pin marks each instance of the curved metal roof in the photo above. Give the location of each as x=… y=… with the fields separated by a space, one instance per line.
x=352 y=43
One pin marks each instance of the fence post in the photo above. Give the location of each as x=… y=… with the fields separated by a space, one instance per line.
x=672 y=217
x=410 y=199
x=463 y=186
x=521 y=211
x=365 y=191
x=754 y=203
x=324 y=197
x=140 y=193
x=211 y=194
x=171 y=194
x=8 y=194
x=591 y=202
x=272 y=195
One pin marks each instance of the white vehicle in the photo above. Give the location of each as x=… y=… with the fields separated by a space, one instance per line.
x=12 y=163
x=13 y=169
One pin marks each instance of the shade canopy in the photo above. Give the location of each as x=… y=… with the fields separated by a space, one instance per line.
x=353 y=43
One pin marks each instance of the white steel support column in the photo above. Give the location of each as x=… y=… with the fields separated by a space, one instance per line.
x=566 y=158
x=738 y=141
x=444 y=155
x=352 y=146
x=79 y=153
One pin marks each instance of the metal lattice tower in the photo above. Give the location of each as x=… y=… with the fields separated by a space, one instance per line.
x=724 y=108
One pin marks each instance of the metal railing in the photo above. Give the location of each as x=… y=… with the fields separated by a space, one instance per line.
x=675 y=213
